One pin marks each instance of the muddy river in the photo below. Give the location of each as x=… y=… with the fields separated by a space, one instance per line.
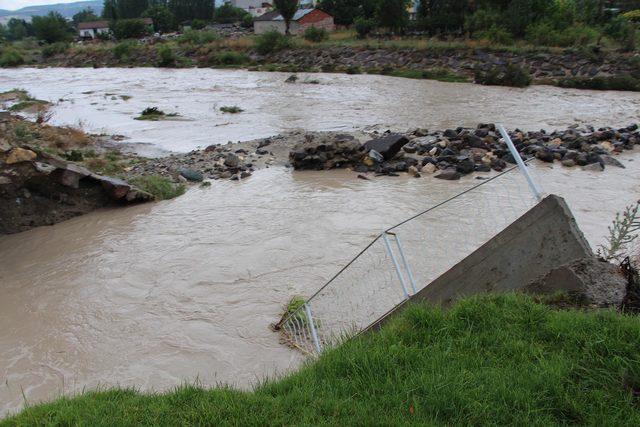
x=185 y=290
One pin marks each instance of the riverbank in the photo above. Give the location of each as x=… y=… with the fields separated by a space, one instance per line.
x=460 y=61
x=553 y=373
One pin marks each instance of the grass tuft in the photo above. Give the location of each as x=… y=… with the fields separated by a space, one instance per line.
x=161 y=188
x=233 y=109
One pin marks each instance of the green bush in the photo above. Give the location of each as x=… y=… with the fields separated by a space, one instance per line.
x=271 y=41
x=54 y=49
x=159 y=186
x=622 y=31
x=130 y=29
x=198 y=37
x=364 y=26
x=481 y=20
x=632 y=15
x=544 y=34
x=247 y=21
x=511 y=75
x=52 y=28
x=602 y=83
x=166 y=58
x=316 y=35
x=11 y=58
x=496 y=34
x=198 y=24
x=125 y=49
x=233 y=109
x=231 y=58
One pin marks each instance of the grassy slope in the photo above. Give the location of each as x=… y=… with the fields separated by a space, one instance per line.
x=490 y=360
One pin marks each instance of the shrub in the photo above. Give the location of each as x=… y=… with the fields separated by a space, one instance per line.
x=623 y=31
x=271 y=41
x=11 y=58
x=130 y=29
x=632 y=15
x=159 y=186
x=497 y=34
x=124 y=49
x=198 y=37
x=511 y=75
x=166 y=57
x=364 y=26
x=198 y=24
x=314 y=34
x=543 y=33
x=234 y=109
x=247 y=21
x=231 y=58
x=602 y=83
x=54 y=49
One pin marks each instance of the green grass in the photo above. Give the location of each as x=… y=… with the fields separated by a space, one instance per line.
x=161 y=188
x=24 y=105
x=493 y=360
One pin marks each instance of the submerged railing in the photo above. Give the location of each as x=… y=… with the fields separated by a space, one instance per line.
x=405 y=258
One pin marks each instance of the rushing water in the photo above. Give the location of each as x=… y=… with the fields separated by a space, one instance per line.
x=183 y=290
x=92 y=98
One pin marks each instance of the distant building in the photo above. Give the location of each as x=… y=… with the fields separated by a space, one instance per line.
x=303 y=19
x=91 y=30
x=253 y=7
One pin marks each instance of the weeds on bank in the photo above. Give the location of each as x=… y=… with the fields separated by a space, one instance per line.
x=160 y=187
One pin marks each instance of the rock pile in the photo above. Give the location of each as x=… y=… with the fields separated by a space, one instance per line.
x=461 y=151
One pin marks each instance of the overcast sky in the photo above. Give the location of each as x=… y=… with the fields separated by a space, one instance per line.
x=17 y=4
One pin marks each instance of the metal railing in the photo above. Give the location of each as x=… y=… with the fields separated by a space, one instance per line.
x=405 y=258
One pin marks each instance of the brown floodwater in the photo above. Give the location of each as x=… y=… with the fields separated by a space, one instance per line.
x=185 y=290
x=93 y=99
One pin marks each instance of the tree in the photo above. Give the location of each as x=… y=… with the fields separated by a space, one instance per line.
x=287 y=9
x=227 y=13
x=128 y=9
x=163 y=19
x=187 y=10
x=130 y=29
x=344 y=12
x=392 y=14
x=85 y=15
x=51 y=28
x=110 y=10
x=17 y=29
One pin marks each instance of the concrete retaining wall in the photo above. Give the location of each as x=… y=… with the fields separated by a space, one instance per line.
x=544 y=238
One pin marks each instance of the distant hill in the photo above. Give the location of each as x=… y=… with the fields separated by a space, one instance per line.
x=65 y=9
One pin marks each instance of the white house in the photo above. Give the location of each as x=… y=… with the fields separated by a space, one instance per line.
x=93 y=29
x=303 y=19
x=254 y=7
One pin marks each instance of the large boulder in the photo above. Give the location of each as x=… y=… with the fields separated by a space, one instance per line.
x=589 y=281
x=388 y=145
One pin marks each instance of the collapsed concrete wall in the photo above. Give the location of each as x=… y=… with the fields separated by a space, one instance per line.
x=544 y=238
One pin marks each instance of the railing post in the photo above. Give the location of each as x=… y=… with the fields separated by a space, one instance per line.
x=396 y=265
x=535 y=188
x=406 y=264
x=312 y=327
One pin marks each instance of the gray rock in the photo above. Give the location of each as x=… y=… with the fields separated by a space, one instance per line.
x=595 y=167
x=449 y=175
x=588 y=280
x=191 y=175
x=232 y=160
x=612 y=161
x=388 y=145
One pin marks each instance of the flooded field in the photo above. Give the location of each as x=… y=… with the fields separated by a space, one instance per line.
x=185 y=290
